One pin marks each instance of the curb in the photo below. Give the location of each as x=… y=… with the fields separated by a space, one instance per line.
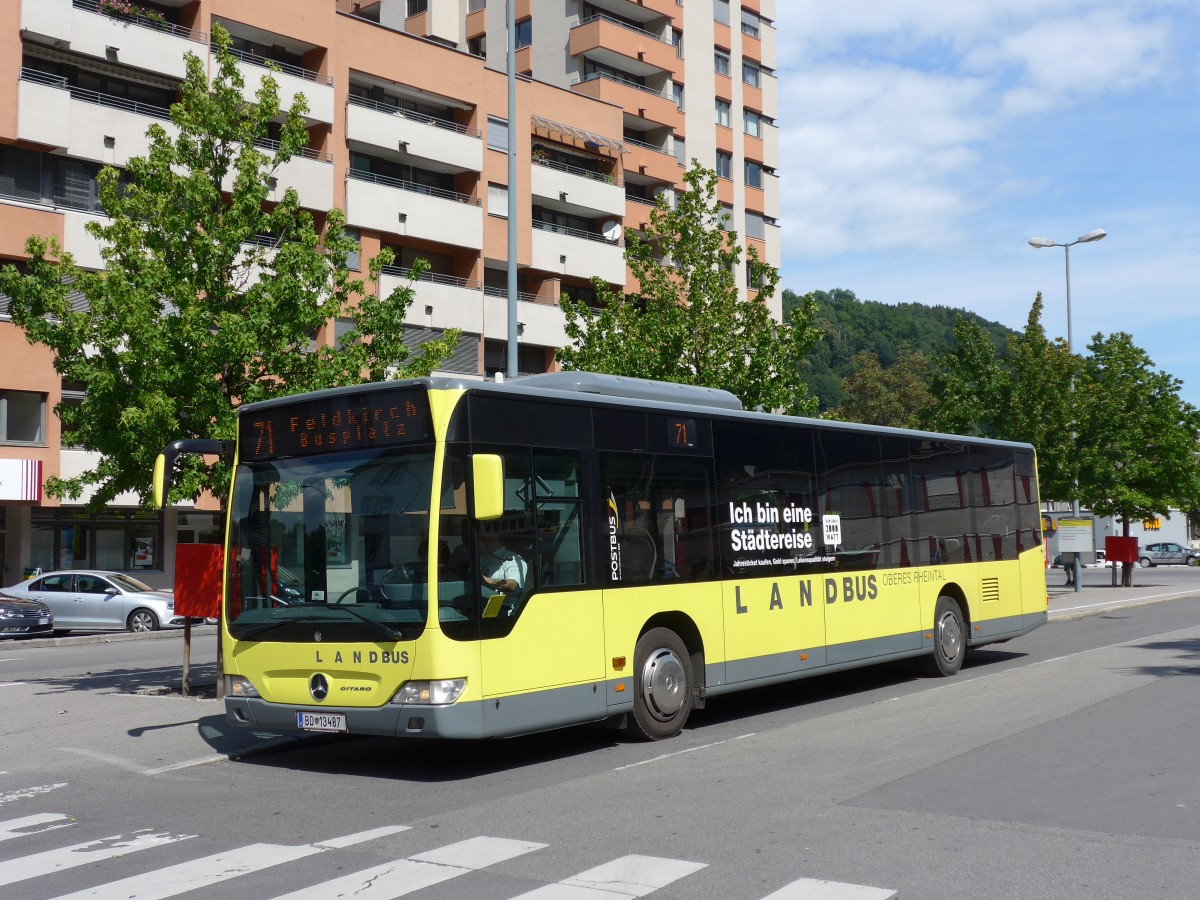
x=113 y=637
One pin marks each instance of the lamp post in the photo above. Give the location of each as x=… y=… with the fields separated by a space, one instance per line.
x=1038 y=243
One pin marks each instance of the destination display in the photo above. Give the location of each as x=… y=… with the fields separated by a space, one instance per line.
x=349 y=421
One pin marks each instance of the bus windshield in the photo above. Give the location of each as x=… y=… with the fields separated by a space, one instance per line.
x=333 y=543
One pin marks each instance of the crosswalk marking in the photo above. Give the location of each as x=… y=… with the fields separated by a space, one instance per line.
x=198 y=873
x=29 y=792
x=627 y=877
x=15 y=828
x=39 y=864
x=815 y=889
x=403 y=876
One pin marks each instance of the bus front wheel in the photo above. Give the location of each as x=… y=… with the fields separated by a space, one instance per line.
x=664 y=685
x=949 y=640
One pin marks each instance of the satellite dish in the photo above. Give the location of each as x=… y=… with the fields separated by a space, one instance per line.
x=611 y=230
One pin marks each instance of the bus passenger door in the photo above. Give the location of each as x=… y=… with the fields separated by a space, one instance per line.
x=542 y=651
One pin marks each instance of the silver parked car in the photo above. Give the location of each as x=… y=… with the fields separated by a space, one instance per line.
x=100 y=601
x=23 y=617
x=1168 y=553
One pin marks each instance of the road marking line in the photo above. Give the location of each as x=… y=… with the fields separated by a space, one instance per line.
x=15 y=828
x=188 y=764
x=50 y=861
x=681 y=752
x=621 y=879
x=27 y=793
x=198 y=873
x=403 y=876
x=815 y=889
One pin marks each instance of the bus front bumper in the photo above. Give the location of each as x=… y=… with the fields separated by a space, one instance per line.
x=456 y=720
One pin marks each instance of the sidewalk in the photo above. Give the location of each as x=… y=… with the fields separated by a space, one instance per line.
x=1097 y=595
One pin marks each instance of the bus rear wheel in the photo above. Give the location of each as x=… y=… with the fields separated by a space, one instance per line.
x=664 y=685
x=949 y=640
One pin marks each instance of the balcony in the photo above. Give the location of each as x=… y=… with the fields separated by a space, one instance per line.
x=616 y=44
x=394 y=206
x=578 y=190
x=651 y=162
x=138 y=41
x=542 y=324
x=453 y=302
x=454 y=147
x=641 y=10
x=84 y=123
x=652 y=107
x=576 y=253
x=292 y=80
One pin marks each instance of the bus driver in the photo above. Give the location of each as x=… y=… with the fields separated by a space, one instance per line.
x=503 y=570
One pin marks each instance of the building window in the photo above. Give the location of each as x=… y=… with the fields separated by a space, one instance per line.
x=497 y=134
x=754 y=174
x=417 y=6
x=756 y=225
x=750 y=74
x=477 y=46
x=721 y=11
x=498 y=200
x=677 y=92
x=724 y=164
x=680 y=150
x=354 y=257
x=752 y=123
x=22 y=418
x=524 y=33
x=721 y=63
x=68 y=538
x=750 y=24
x=677 y=42
x=723 y=112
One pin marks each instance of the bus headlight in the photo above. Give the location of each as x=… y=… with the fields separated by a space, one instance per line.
x=237 y=686
x=431 y=693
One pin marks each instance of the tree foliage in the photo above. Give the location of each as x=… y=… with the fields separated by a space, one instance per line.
x=1136 y=452
x=686 y=323
x=897 y=397
x=849 y=326
x=210 y=297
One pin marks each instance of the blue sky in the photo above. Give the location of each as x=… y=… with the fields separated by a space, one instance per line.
x=924 y=143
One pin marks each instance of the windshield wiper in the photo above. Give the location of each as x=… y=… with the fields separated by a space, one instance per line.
x=254 y=632
x=391 y=634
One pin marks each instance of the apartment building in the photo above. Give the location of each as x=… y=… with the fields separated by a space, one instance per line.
x=409 y=132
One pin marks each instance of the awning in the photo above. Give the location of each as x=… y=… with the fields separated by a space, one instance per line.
x=578 y=134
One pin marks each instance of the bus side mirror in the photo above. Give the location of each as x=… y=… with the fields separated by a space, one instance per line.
x=487 y=474
x=165 y=464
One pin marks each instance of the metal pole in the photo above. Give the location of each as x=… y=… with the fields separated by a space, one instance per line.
x=512 y=188
x=1071 y=397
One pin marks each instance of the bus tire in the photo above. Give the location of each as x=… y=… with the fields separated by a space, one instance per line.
x=949 y=640
x=663 y=685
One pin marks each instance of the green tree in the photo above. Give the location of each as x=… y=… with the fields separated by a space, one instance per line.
x=686 y=324
x=1136 y=450
x=969 y=384
x=210 y=296
x=896 y=397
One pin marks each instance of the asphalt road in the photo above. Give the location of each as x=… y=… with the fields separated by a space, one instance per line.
x=1060 y=765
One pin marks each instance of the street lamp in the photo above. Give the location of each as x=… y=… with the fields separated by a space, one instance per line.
x=1039 y=243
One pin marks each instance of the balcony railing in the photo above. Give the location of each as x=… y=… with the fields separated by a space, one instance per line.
x=306 y=152
x=89 y=96
x=143 y=20
x=639 y=31
x=621 y=81
x=401 y=184
x=287 y=68
x=606 y=177
x=414 y=116
x=574 y=232
x=503 y=292
x=468 y=284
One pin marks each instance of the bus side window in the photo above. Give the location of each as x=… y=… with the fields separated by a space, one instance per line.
x=660 y=517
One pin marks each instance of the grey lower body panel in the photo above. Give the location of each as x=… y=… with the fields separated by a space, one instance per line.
x=994 y=630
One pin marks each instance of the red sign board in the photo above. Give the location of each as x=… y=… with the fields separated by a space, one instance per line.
x=1121 y=549
x=198 y=580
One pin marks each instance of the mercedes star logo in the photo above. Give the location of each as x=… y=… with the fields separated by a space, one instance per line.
x=318 y=686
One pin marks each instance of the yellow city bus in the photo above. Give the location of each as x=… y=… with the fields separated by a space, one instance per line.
x=664 y=547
